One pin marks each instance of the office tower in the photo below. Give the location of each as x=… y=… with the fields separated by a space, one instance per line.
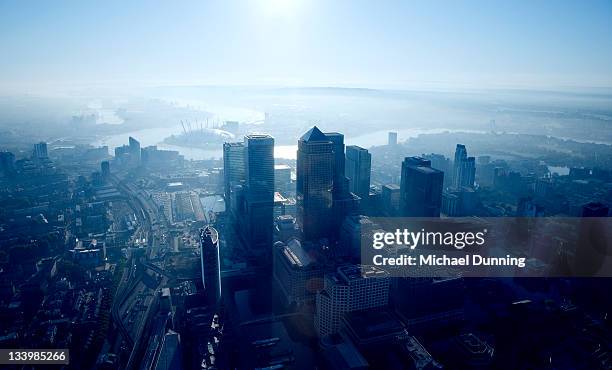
x=358 y=166
x=40 y=150
x=464 y=168
x=392 y=138
x=595 y=209
x=337 y=141
x=468 y=172
x=353 y=230
x=233 y=169
x=440 y=162
x=105 y=169
x=122 y=151
x=297 y=272
x=259 y=182
x=315 y=181
x=420 y=189
x=350 y=288
x=134 y=150
x=7 y=164
x=460 y=157
x=211 y=264
x=390 y=199
x=343 y=202
x=322 y=189
x=451 y=204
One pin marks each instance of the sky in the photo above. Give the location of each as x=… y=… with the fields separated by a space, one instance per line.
x=357 y=43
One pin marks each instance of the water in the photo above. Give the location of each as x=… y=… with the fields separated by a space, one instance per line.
x=155 y=136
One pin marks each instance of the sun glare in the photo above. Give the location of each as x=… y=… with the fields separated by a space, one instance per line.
x=280 y=8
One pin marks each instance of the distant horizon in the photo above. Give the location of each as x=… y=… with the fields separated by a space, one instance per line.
x=441 y=88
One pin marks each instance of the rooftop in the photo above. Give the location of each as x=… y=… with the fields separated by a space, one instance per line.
x=314 y=134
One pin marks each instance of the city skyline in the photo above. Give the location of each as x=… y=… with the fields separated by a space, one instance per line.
x=306 y=184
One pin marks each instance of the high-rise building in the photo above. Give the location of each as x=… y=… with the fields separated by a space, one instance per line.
x=390 y=199
x=105 y=169
x=40 y=150
x=134 y=150
x=211 y=264
x=420 y=189
x=464 y=168
x=353 y=230
x=259 y=182
x=350 y=288
x=392 y=138
x=297 y=272
x=322 y=189
x=440 y=162
x=315 y=181
x=450 y=204
x=233 y=169
x=358 y=166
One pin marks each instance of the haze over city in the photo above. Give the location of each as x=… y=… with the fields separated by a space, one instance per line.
x=293 y=184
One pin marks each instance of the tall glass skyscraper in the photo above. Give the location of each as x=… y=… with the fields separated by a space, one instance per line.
x=464 y=168
x=233 y=169
x=322 y=189
x=211 y=264
x=358 y=167
x=315 y=182
x=259 y=197
x=135 y=150
x=420 y=188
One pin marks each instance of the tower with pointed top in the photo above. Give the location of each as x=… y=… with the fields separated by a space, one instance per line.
x=314 y=185
x=323 y=196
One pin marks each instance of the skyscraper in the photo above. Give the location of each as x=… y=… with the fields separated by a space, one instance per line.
x=390 y=200
x=134 y=150
x=464 y=168
x=259 y=182
x=420 y=188
x=358 y=166
x=40 y=150
x=315 y=181
x=322 y=189
x=392 y=138
x=233 y=169
x=211 y=264
x=105 y=169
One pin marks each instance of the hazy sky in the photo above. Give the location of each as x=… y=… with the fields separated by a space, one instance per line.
x=298 y=42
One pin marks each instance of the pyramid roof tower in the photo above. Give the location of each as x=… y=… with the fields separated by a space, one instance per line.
x=314 y=134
